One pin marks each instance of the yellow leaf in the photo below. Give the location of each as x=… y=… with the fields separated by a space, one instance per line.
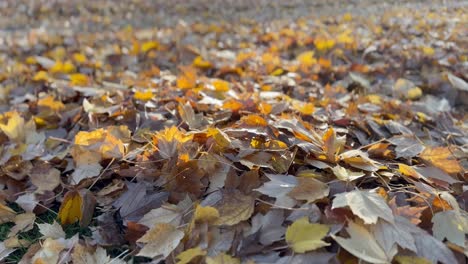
x=188 y=79
x=442 y=158
x=14 y=128
x=222 y=258
x=428 y=51
x=307 y=58
x=220 y=85
x=149 y=45
x=51 y=103
x=303 y=108
x=79 y=79
x=324 y=44
x=347 y=17
x=205 y=214
x=303 y=236
x=62 y=67
x=70 y=209
x=414 y=93
x=232 y=105
x=80 y=58
x=41 y=76
x=219 y=136
x=201 y=63
x=188 y=255
x=143 y=96
x=173 y=134
x=408 y=171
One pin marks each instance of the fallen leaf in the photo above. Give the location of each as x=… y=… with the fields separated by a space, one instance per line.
x=442 y=158
x=309 y=189
x=362 y=244
x=234 y=208
x=54 y=230
x=161 y=239
x=303 y=236
x=452 y=225
x=188 y=255
x=367 y=205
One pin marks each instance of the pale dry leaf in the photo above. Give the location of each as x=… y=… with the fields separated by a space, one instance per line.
x=367 y=205
x=452 y=225
x=278 y=187
x=23 y=222
x=362 y=244
x=54 y=230
x=83 y=255
x=269 y=226
x=167 y=213
x=388 y=236
x=45 y=180
x=162 y=239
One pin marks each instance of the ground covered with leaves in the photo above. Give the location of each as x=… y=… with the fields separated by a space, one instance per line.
x=319 y=139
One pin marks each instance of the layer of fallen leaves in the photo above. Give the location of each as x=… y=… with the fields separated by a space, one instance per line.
x=311 y=141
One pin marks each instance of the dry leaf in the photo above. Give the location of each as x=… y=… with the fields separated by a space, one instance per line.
x=367 y=205
x=303 y=236
x=162 y=239
x=188 y=255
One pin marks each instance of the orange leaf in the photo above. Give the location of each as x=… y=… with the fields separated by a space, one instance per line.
x=254 y=120
x=442 y=158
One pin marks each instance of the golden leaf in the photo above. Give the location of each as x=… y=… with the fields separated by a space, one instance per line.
x=442 y=158
x=201 y=63
x=220 y=85
x=14 y=128
x=70 y=209
x=79 y=79
x=143 y=96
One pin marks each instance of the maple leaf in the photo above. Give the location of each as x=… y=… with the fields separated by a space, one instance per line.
x=54 y=230
x=367 y=205
x=162 y=239
x=303 y=236
x=362 y=244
